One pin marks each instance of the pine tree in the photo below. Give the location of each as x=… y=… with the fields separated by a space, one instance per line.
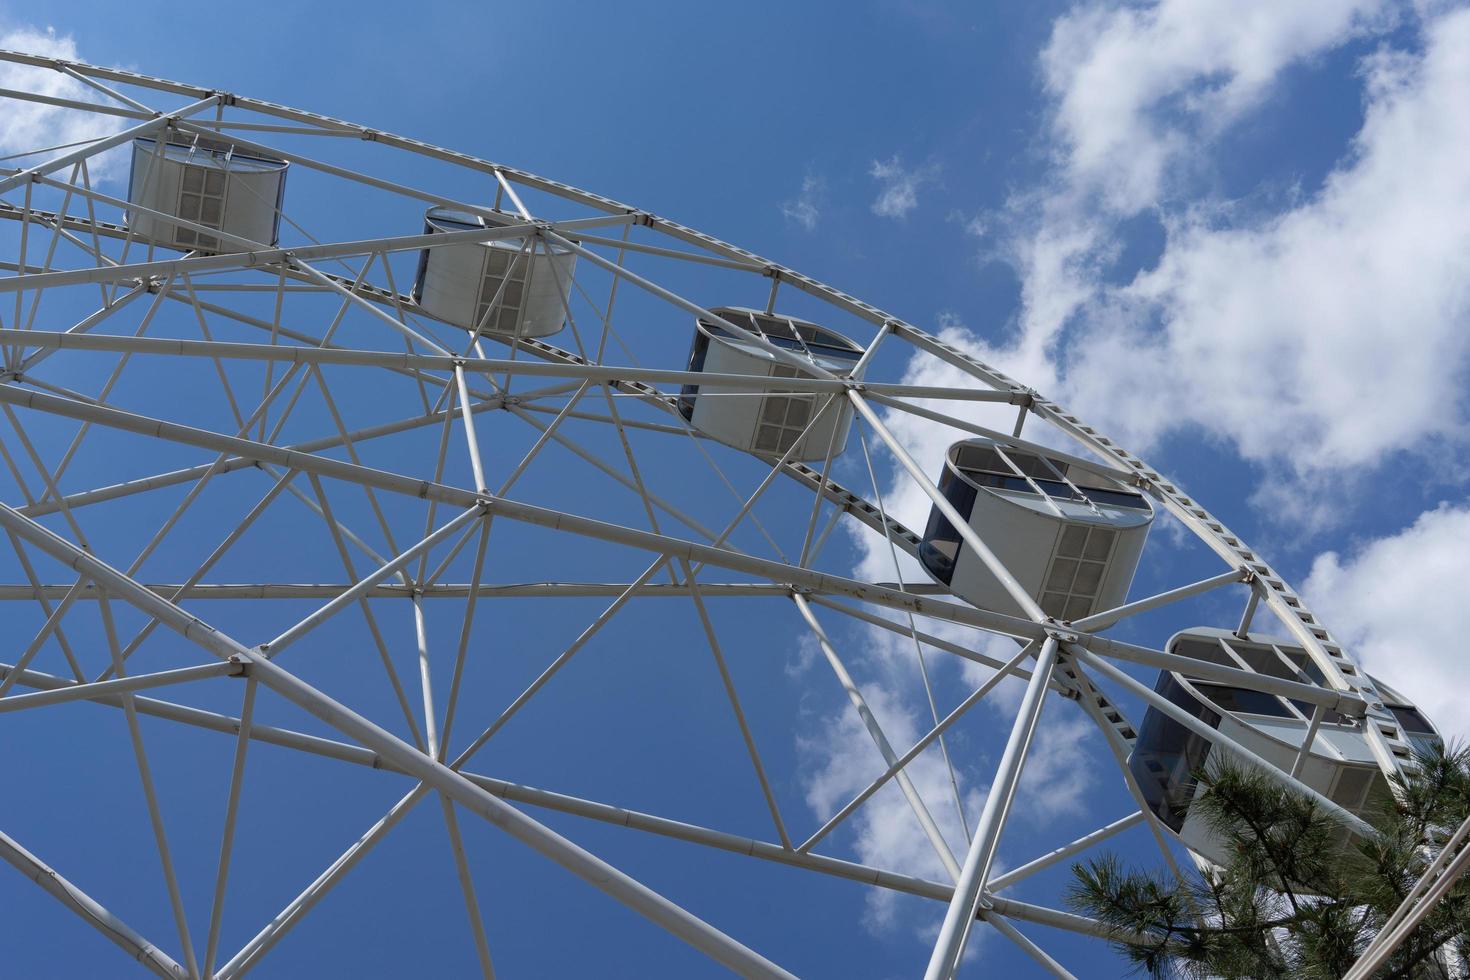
x=1299 y=897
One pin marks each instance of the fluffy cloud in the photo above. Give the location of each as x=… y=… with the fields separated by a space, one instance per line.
x=31 y=125
x=841 y=760
x=1398 y=603
x=1285 y=336
x=898 y=187
x=1117 y=73
x=1279 y=335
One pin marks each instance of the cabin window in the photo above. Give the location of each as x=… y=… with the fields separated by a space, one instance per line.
x=1244 y=701
x=941 y=538
x=509 y=267
x=1167 y=754
x=1077 y=571
x=783 y=417
x=202 y=201
x=1411 y=720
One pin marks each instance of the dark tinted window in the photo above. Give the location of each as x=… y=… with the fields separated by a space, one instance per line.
x=1167 y=754
x=1238 y=699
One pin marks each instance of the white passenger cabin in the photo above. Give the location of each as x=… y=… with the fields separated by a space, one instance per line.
x=1070 y=536
x=1340 y=763
x=208 y=183
x=768 y=422
x=460 y=283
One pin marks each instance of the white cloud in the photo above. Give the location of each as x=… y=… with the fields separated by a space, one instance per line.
x=1137 y=87
x=31 y=125
x=1287 y=336
x=804 y=208
x=1317 y=341
x=1397 y=603
x=841 y=760
x=898 y=187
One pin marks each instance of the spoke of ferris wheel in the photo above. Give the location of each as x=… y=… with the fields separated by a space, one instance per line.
x=462 y=651
x=875 y=731
x=361 y=586
x=53 y=620
x=86 y=498
x=25 y=228
x=106 y=90
x=30 y=573
x=896 y=766
x=1225 y=742
x=271 y=257
x=192 y=495
x=446 y=806
x=970 y=885
x=227 y=833
x=579 y=450
x=347 y=444
x=929 y=639
x=1108 y=617
x=112 y=379
x=155 y=813
x=672 y=430
x=514 y=510
x=603 y=812
x=89 y=910
x=1030 y=948
x=97 y=689
x=954 y=785
x=367 y=614
x=467 y=887
x=64 y=103
x=612 y=609
x=430 y=589
x=734 y=698
x=1065 y=851
x=690 y=577
x=432 y=774
x=188 y=586
x=46 y=477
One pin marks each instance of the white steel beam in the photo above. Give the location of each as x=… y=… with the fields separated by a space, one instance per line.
x=434 y=774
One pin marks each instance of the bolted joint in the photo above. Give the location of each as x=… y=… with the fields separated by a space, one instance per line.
x=1054 y=630
x=241 y=665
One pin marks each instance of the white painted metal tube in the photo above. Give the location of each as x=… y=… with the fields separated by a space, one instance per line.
x=138 y=682
x=967 y=893
x=95 y=915
x=47 y=340
x=434 y=775
x=1065 y=851
x=860 y=705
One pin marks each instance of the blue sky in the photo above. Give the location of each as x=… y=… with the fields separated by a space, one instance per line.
x=1230 y=236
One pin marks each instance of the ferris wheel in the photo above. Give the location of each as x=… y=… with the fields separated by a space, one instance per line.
x=335 y=446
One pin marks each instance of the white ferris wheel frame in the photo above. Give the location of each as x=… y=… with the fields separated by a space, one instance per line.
x=1065 y=656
